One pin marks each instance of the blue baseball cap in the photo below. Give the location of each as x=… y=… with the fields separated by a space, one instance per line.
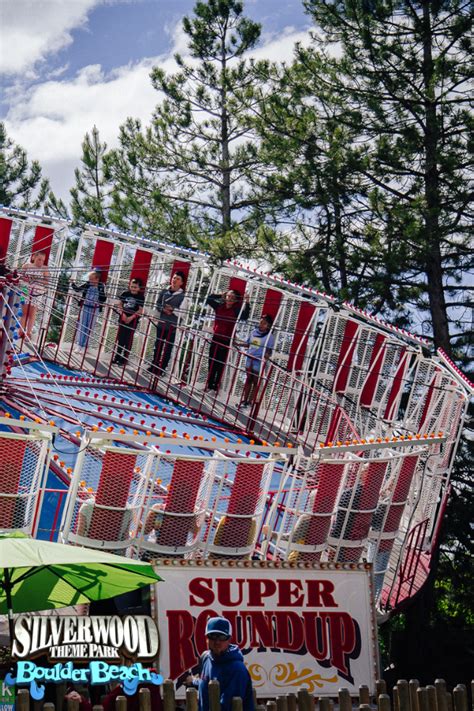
x=218 y=625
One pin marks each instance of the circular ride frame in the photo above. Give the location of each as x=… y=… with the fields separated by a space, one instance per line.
x=353 y=428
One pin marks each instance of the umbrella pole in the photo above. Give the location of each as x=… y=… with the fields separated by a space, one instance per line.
x=7 y=586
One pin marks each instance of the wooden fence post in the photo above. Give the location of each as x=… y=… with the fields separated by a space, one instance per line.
x=60 y=693
x=292 y=702
x=22 y=702
x=271 y=706
x=364 y=694
x=460 y=698
x=432 y=698
x=97 y=707
x=403 y=695
x=214 y=692
x=396 y=699
x=121 y=703
x=364 y=707
x=422 y=698
x=48 y=706
x=282 y=703
x=413 y=686
x=191 y=699
x=449 y=701
x=383 y=702
x=73 y=705
x=304 y=701
x=169 y=703
x=381 y=687
x=325 y=704
x=440 y=686
x=345 y=701
x=144 y=699
x=236 y=704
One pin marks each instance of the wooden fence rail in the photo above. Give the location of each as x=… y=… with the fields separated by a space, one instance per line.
x=406 y=696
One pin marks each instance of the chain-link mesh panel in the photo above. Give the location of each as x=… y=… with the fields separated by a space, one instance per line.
x=14 y=257
x=237 y=503
x=10 y=310
x=106 y=500
x=175 y=510
x=308 y=506
x=22 y=460
x=386 y=522
x=422 y=390
x=21 y=239
x=356 y=506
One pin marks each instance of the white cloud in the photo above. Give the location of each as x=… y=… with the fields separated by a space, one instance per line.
x=51 y=118
x=33 y=29
x=280 y=47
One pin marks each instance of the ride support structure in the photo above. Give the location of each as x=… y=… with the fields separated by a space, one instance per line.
x=343 y=455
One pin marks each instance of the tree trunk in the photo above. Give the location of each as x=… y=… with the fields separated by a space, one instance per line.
x=432 y=237
x=225 y=160
x=340 y=246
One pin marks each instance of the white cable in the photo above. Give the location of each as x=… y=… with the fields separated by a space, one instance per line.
x=36 y=352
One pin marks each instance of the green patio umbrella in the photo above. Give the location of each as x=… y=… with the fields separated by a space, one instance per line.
x=39 y=575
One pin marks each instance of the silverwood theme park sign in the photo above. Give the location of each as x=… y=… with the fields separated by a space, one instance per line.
x=93 y=639
x=99 y=637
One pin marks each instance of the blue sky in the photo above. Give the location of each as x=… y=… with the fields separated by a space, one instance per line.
x=67 y=65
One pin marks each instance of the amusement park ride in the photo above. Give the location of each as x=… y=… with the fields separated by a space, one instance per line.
x=344 y=456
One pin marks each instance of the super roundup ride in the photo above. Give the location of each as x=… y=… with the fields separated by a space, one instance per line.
x=291 y=516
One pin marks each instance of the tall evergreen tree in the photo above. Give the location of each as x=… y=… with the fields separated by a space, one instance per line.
x=21 y=182
x=316 y=199
x=90 y=196
x=402 y=83
x=137 y=201
x=197 y=155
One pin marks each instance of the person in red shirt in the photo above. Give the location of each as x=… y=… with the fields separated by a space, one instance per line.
x=228 y=308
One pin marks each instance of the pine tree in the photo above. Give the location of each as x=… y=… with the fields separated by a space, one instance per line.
x=197 y=155
x=314 y=199
x=402 y=83
x=137 y=203
x=90 y=196
x=21 y=182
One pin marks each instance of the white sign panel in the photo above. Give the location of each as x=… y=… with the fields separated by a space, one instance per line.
x=310 y=627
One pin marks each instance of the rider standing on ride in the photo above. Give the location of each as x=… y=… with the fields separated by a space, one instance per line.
x=228 y=309
x=36 y=275
x=169 y=301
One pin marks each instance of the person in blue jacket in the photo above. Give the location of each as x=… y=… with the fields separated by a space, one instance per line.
x=223 y=662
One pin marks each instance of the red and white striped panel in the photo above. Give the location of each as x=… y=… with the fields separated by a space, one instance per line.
x=355 y=509
x=235 y=516
x=23 y=455
x=177 y=521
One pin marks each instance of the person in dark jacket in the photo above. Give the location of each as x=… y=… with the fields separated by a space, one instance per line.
x=130 y=310
x=223 y=662
x=92 y=297
x=228 y=308
x=168 y=304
